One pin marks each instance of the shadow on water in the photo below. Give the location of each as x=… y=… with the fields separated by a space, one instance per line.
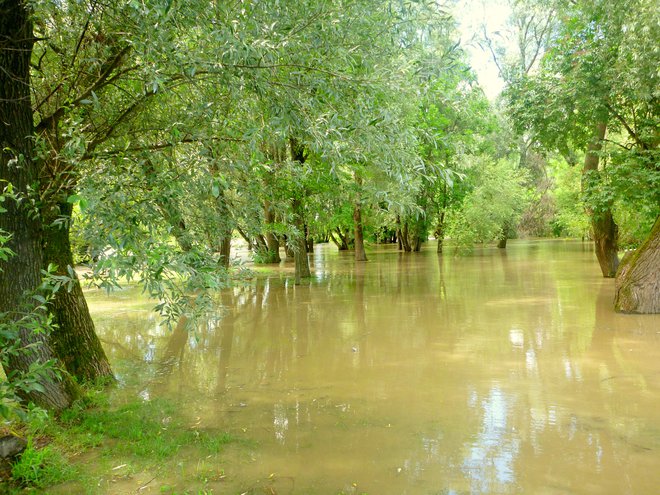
x=497 y=372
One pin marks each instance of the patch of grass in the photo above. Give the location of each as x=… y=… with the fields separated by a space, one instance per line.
x=95 y=441
x=40 y=467
x=148 y=431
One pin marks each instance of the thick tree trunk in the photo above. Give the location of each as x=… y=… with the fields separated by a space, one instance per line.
x=74 y=338
x=405 y=240
x=605 y=230
x=638 y=278
x=343 y=243
x=21 y=274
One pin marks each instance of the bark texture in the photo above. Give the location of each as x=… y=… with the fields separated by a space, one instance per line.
x=605 y=230
x=360 y=254
x=638 y=278
x=272 y=241
x=299 y=155
x=74 y=339
x=21 y=274
x=300 y=244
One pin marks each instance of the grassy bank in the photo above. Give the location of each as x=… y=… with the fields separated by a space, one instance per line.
x=100 y=447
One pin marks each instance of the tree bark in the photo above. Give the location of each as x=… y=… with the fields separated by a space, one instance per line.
x=440 y=231
x=225 y=228
x=300 y=245
x=271 y=239
x=360 y=254
x=638 y=279
x=605 y=230
x=74 y=338
x=299 y=155
x=21 y=274
x=405 y=240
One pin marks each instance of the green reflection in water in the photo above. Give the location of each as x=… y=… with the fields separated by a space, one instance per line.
x=500 y=372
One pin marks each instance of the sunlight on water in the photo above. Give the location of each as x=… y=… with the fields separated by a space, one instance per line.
x=499 y=372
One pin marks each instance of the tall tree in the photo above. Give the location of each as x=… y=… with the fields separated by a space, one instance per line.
x=21 y=274
x=595 y=92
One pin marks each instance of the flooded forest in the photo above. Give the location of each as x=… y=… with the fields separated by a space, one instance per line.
x=330 y=247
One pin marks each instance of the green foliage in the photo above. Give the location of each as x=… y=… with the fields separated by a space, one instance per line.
x=32 y=318
x=600 y=67
x=570 y=218
x=497 y=199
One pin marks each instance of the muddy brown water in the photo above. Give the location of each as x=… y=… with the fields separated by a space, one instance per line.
x=498 y=372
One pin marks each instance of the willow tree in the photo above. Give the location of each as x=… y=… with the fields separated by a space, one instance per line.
x=19 y=174
x=595 y=91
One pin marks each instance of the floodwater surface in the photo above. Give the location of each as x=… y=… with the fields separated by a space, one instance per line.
x=500 y=372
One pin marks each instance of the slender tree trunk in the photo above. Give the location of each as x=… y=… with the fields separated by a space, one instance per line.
x=74 y=338
x=299 y=155
x=309 y=240
x=21 y=274
x=225 y=228
x=360 y=254
x=300 y=245
x=605 y=230
x=271 y=239
x=399 y=233
x=638 y=278
x=440 y=231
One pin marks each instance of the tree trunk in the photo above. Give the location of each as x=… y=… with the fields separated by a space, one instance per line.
x=21 y=274
x=271 y=239
x=638 y=278
x=605 y=230
x=309 y=240
x=225 y=228
x=405 y=240
x=74 y=338
x=440 y=231
x=300 y=245
x=298 y=154
x=360 y=254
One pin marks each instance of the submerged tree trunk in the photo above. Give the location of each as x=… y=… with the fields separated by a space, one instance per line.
x=74 y=338
x=605 y=230
x=21 y=274
x=638 y=278
x=298 y=154
x=342 y=242
x=360 y=254
x=440 y=231
x=405 y=240
x=225 y=228
x=300 y=245
x=271 y=239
